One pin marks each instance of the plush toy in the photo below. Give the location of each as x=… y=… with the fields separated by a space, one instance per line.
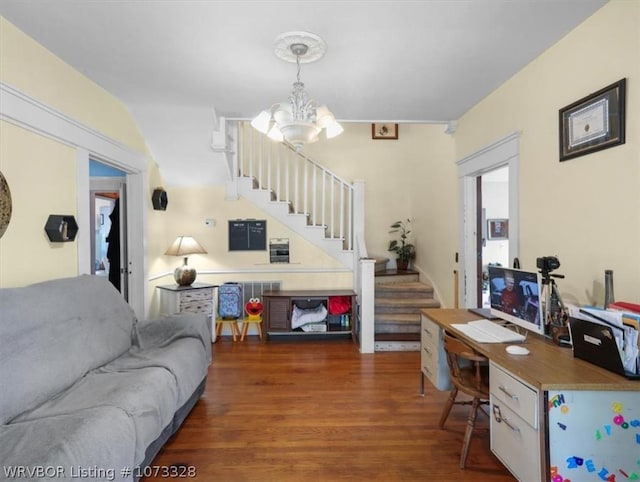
x=253 y=307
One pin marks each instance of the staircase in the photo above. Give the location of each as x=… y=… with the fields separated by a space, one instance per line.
x=328 y=211
x=299 y=192
x=399 y=297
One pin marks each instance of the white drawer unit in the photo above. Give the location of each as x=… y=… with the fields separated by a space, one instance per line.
x=433 y=360
x=515 y=439
x=196 y=301
x=197 y=298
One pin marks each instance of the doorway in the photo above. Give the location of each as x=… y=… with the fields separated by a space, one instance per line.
x=109 y=226
x=493 y=232
x=474 y=223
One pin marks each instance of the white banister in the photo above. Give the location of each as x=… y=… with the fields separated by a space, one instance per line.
x=293 y=177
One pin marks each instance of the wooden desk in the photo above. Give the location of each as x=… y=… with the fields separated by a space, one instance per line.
x=569 y=415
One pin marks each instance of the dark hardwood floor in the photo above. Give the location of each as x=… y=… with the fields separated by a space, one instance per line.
x=321 y=411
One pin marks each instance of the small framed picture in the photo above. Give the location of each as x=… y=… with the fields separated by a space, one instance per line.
x=594 y=122
x=498 y=228
x=384 y=131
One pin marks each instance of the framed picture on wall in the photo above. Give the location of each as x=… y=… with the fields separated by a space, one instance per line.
x=594 y=122
x=498 y=228
x=384 y=131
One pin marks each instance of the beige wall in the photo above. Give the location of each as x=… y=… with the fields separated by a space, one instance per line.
x=186 y=213
x=41 y=175
x=28 y=66
x=41 y=172
x=585 y=210
x=412 y=177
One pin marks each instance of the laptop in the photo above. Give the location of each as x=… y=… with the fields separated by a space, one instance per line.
x=596 y=344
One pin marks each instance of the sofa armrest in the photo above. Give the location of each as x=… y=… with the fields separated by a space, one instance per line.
x=164 y=331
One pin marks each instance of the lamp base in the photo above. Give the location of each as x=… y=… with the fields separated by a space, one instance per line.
x=184 y=275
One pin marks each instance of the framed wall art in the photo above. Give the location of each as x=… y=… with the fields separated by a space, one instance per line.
x=384 y=131
x=498 y=228
x=594 y=122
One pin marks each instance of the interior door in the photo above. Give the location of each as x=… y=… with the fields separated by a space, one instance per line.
x=109 y=231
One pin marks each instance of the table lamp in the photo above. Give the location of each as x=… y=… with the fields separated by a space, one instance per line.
x=183 y=246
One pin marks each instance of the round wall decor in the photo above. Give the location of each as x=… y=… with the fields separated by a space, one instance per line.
x=5 y=204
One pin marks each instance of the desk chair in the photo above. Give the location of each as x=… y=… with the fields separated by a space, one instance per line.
x=470 y=375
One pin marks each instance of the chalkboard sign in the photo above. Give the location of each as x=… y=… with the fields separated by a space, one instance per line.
x=247 y=235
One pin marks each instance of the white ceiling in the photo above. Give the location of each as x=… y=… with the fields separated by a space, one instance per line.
x=173 y=61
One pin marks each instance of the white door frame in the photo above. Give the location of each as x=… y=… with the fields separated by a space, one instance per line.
x=30 y=113
x=501 y=153
x=136 y=186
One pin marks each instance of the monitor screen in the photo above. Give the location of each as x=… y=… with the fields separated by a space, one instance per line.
x=515 y=297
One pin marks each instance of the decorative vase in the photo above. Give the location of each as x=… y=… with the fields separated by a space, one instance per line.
x=402 y=264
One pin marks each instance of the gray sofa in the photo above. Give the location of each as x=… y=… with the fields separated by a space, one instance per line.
x=86 y=391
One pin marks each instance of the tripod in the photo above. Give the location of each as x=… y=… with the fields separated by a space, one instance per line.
x=553 y=309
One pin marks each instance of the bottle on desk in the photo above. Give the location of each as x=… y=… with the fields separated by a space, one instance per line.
x=608 y=288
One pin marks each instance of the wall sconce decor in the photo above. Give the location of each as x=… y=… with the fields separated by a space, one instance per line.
x=159 y=199
x=61 y=228
x=184 y=246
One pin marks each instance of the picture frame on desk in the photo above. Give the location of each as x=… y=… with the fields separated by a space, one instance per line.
x=594 y=122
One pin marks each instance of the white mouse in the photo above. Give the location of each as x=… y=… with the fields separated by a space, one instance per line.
x=517 y=350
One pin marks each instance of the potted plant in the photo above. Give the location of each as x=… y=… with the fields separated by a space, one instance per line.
x=404 y=250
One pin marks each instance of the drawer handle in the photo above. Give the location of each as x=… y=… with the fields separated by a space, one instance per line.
x=428 y=332
x=507 y=393
x=427 y=369
x=499 y=418
x=427 y=350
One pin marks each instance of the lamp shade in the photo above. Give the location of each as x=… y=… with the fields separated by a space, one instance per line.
x=184 y=246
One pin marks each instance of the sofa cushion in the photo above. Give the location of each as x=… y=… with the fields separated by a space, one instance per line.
x=184 y=358
x=148 y=395
x=100 y=439
x=53 y=333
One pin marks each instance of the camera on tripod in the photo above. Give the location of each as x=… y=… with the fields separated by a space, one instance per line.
x=553 y=307
x=547 y=264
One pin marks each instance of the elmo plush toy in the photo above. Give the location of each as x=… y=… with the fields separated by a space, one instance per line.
x=253 y=309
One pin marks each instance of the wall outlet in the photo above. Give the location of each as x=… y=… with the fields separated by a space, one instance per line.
x=210 y=223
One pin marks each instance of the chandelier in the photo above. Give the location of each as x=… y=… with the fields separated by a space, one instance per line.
x=300 y=120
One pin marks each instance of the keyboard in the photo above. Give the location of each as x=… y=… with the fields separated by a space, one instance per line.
x=486 y=331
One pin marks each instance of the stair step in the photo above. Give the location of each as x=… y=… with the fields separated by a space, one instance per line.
x=397 y=345
x=411 y=289
x=398 y=318
x=396 y=329
x=394 y=276
x=404 y=303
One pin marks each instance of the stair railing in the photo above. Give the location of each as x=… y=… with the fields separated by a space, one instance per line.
x=294 y=178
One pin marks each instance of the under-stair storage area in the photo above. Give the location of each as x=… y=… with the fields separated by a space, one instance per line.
x=310 y=313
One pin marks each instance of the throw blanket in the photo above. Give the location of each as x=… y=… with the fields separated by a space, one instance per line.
x=302 y=317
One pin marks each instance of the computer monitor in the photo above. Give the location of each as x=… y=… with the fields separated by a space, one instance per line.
x=515 y=297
